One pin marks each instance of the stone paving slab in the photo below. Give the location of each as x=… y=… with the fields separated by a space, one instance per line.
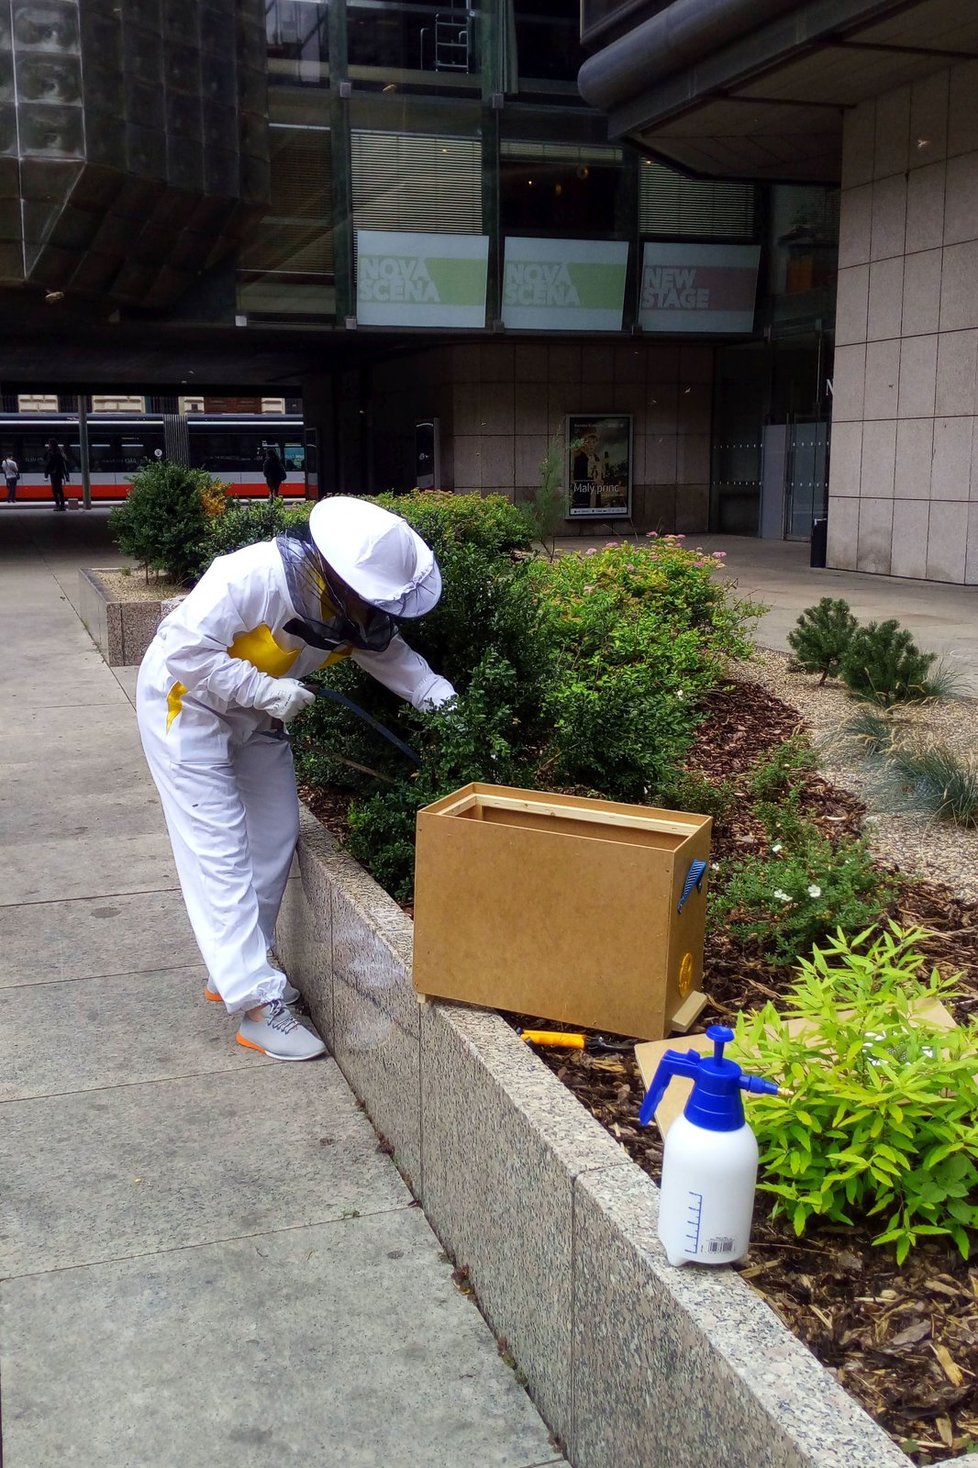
x=89 y=866
x=87 y=731
x=99 y=1175
x=47 y=942
x=344 y=1345
x=44 y=805
x=42 y=1051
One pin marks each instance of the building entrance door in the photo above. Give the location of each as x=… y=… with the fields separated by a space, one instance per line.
x=807 y=478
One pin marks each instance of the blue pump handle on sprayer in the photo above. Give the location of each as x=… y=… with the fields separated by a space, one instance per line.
x=694 y=878
x=715 y=1103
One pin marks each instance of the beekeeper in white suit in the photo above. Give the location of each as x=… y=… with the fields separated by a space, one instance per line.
x=221 y=675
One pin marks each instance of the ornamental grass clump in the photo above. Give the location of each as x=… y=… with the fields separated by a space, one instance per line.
x=936 y=779
x=876 y=1119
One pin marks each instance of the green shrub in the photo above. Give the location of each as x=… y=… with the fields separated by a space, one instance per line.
x=636 y=634
x=484 y=636
x=475 y=739
x=165 y=520
x=490 y=521
x=877 y=1118
x=548 y=511
x=883 y=665
x=682 y=789
x=787 y=901
x=557 y=687
x=939 y=781
x=821 y=636
x=246 y=524
x=783 y=769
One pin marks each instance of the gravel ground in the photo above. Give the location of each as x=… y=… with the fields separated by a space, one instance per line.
x=135 y=587
x=912 y=840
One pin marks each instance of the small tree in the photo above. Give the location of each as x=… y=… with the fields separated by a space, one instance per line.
x=549 y=508
x=165 y=518
x=884 y=665
x=821 y=636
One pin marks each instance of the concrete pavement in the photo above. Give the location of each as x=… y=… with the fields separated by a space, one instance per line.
x=205 y=1258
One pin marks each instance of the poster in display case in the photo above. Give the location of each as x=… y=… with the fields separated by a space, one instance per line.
x=599 y=465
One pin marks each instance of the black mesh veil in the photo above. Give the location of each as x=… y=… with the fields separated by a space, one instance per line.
x=321 y=599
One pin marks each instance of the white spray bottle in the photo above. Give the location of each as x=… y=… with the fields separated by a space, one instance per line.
x=709 y=1163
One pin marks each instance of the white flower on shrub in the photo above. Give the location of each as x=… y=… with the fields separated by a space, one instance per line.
x=777 y=846
x=814 y=891
x=781 y=896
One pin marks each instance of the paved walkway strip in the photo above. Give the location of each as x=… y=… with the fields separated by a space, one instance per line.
x=204 y=1257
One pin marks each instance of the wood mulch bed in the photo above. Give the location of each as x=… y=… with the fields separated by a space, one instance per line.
x=902 y=1340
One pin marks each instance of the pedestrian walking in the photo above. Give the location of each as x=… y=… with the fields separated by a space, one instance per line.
x=273 y=470
x=56 y=470
x=11 y=474
x=219 y=681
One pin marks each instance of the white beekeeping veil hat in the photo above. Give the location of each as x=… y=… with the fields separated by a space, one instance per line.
x=377 y=554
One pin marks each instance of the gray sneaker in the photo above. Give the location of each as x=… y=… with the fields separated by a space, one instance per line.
x=279 y=1035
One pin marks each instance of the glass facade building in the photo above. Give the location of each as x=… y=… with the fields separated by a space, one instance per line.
x=422 y=187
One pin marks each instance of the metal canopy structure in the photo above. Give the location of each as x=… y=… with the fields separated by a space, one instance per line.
x=747 y=89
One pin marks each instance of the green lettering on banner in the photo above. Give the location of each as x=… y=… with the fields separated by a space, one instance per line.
x=599 y=286
x=458 y=282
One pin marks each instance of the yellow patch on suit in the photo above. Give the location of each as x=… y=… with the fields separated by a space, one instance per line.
x=174 y=703
x=259 y=648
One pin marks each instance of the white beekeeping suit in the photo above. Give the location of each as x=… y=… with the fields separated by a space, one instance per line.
x=220 y=676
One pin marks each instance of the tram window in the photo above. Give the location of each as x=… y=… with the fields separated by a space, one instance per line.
x=33 y=453
x=224 y=450
x=133 y=454
x=295 y=456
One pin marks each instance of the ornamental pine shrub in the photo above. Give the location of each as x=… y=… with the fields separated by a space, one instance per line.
x=821 y=636
x=883 y=665
x=165 y=520
x=876 y=1120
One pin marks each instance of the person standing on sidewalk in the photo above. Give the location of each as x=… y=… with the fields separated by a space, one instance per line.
x=56 y=469
x=218 y=682
x=273 y=470
x=11 y=474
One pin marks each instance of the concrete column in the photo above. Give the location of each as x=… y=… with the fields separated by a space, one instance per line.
x=903 y=491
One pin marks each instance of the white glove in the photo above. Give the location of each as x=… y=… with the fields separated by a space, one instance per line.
x=439 y=691
x=284 y=698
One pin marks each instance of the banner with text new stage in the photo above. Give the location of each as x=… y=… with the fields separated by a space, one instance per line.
x=421 y=279
x=564 y=285
x=707 y=288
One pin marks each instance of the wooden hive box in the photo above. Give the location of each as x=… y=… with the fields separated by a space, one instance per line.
x=562 y=908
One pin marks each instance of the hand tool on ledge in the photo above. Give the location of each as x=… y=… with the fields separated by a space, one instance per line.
x=572 y=1040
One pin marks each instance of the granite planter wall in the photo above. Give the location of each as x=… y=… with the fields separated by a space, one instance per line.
x=121 y=630
x=629 y=1360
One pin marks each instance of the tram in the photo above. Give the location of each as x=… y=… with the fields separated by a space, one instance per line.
x=229 y=447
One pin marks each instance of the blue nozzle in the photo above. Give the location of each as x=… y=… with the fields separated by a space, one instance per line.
x=717 y=1083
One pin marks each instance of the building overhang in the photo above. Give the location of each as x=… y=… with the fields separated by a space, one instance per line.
x=759 y=89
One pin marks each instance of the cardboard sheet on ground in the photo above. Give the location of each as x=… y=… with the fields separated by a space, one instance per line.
x=677 y=1094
